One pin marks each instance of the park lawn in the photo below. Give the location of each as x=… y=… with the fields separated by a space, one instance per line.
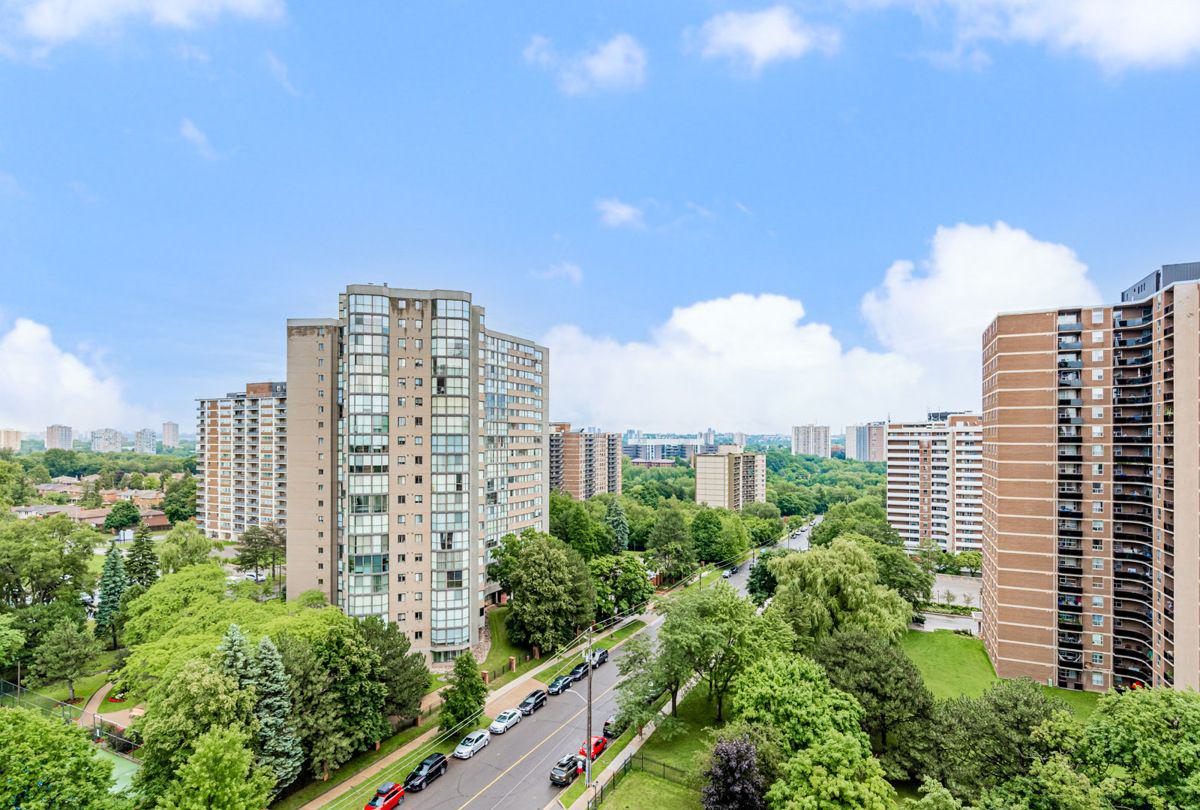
x=570 y=794
x=683 y=749
x=502 y=648
x=97 y=675
x=639 y=790
x=954 y=665
x=312 y=790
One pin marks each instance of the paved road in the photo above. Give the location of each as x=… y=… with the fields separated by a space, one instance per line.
x=513 y=771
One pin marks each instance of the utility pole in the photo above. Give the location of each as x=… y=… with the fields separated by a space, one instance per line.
x=587 y=746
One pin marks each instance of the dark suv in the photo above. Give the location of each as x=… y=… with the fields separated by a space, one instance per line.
x=430 y=768
x=599 y=657
x=579 y=672
x=532 y=702
x=565 y=770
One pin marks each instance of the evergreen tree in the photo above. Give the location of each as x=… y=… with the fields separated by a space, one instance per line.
x=614 y=516
x=91 y=496
x=112 y=585
x=278 y=748
x=233 y=658
x=141 y=563
x=463 y=699
x=65 y=653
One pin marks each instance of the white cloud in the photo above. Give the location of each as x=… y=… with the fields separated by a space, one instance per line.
x=752 y=362
x=618 y=64
x=754 y=39
x=52 y=22
x=617 y=214
x=279 y=72
x=1117 y=34
x=568 y=270
x=193 y=135
x=43 y=384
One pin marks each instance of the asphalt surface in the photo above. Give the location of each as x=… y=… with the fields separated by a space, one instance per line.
x=513 y=771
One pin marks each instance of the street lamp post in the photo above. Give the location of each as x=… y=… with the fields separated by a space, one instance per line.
x=587 y=746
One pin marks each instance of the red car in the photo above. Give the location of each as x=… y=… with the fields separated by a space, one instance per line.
x=388 y=797
x=598 y=746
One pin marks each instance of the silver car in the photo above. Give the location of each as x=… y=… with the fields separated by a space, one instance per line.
x=472 y=744
x=505 y=720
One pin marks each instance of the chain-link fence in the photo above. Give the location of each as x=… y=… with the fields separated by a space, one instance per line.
x=637 y=762
x=103 y=732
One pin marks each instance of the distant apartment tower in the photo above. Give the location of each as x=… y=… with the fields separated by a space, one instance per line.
x=811 y=440
x=106 y=440
x=144 y=441
x=60 y=437
x=867 y=442
x=1091 y=574
x=241 y=460
x=649 y=447
x=739 y=438
x=730 y=478
x=584 y=463
x=170 y=435
x=418 y=439
x=10 y=440
x=934 y=482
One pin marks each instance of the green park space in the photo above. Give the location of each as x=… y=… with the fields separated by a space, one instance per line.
x=638 y=790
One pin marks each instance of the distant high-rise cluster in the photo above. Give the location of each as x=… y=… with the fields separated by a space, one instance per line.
x=584 y=463
x=170 y=435
x=811 y=440
x=10 y=440
x=935 y=481
x=867 y=442
x=730 y=478
x=1091 y=420
x=59 y=437
x=144 y=441
x=107 y=440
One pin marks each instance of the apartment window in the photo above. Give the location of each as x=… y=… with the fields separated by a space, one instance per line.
x=1097 y=374
x=419 y=595
x=1097 y=679
x=401 y=617
x=1097 y=469
x=1098 y=355
x=400 y=401
x=1097 y=640
x=418 y=634
x=1097 y=525
x=1097 y=337
x=1097 y=620
x=1097 y=413
x=1097 y=564
x=419 y=615
x=1097 y=449
x=401 y=322
x=320 y=378
x=399 y=499
x=1097 y=393
x=1097 y=488
x=400 y=362
x=1097 y=544
x=400 y=597
x=1097 y=601
x=1097 y=507
x=399 y=421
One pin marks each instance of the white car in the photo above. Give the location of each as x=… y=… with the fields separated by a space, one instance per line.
x=472 y=744
x=505 y=720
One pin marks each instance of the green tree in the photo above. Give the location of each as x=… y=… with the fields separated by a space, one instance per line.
x=865 y=516
x=670 y=546
x=182 y=709
x=123 y=515
x=506 y=558
x=278 y=748
x=276 y=547
x=254 y=550
x=11 y=641
x=112 y=585
x=220 y=772
x=837 y=773
x=827 y=589
x=988 y=740
x=971 y=562
x=1052 y=784
x=46 y=763
x=91 y=498
x=735 y=539
x=64 y=654
x=141 y=563
x=897 y=708
x=793 y=694
x=571 y=522
x=465 y=695
x=316 y=715
x=15 y=487
x=897 y=571
x=552 y=594
x=761 y=583
x=42 y=560
x=706 y=531
x=235 y=660
x=403 y=672
x=618 y=524
x=621 y=584
x=179 y=502
x=638 y=686
x=184 y=545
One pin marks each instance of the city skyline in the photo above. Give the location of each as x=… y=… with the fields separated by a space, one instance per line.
x=785 y=259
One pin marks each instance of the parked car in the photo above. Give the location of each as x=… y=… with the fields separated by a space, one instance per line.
x=560 y=684
x=580 y=670
x=565 y=770
x=727 y=573
x=472 y=744
x=504 y=721
x=388 y=797
x=429 y=769
x=612 y=728
x=533 y=701
x=598 y=746
x=599 y=657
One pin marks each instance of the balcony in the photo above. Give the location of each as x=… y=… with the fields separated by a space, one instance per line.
x=1069 y=344
x=1069 y=380
x=1071 y=604
x=1070 y=326
x=1070 y=640
x=1069 y=621
x=1069 y=585
x=1068 y=657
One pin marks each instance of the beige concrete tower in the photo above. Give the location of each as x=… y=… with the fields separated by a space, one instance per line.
x=934 y=482
x=423 y=438
x=584 y=463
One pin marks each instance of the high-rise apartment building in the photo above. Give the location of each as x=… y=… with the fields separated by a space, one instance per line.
x=418 y=439
x=1091 y=575
x=867 y=442
x=584 y=463
x=144 y=441
x=170 y=436
x=934 y=482
x=811 y=440
x=651 y=447
x=59 y=437
x=10 y=440
x=730 y=478
x=241 y=460
x=107 y=440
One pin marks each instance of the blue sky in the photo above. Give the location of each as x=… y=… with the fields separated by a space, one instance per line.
x=177 y=177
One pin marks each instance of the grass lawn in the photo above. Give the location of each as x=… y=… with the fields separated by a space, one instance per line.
x=954 y=665
x=639 y=790
x=97 y=675
x=502 y=648
x=682 y=750
x=615 y=747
